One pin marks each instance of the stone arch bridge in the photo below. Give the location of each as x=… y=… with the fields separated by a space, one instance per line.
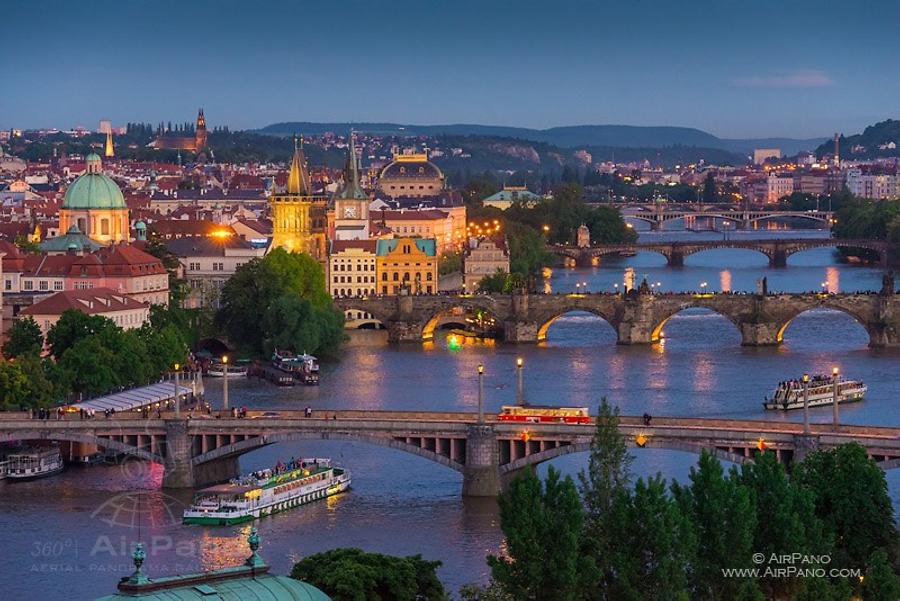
x=204 y=450
x=636 y=318
x=777 y=251
x=743 y=220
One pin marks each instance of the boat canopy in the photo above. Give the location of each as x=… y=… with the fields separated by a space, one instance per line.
x=135 y=398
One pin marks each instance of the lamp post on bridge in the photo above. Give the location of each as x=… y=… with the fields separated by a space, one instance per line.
x=225 y=382
x=806 y=404
x=177 y=403
x=836 y=412
x=520 y=381
x=480 y=393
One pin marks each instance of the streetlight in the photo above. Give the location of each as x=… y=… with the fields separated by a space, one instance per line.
x=520 y=387
x=806 y=403
x=481 y=393
x=834 y=383
x=177 y=404
x=824 y=287
x=225 y=383
x=703 y=286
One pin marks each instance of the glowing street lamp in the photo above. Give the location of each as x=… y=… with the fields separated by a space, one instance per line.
x=177 y=399
x=520 y=381
x=481 y=393
x=835 y=381
x=225 y=381
x=806 y=403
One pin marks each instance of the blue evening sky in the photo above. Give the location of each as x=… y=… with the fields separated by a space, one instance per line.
x=733 y=68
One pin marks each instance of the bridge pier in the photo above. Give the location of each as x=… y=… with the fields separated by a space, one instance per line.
x=655 y=225
x=759 y=334
x=778 y=258
x=675 y=258
x=179 y=471
x=520 y=331
x=481 y=474
x=404 y=331
x=218 y=470
x=804 y=444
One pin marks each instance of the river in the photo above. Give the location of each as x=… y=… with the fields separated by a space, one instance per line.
x=69 y=535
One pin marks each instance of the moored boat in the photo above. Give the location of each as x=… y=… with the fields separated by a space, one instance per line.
x=789 y=393
x=266 y=492
x=238 y=370
x=33 y=463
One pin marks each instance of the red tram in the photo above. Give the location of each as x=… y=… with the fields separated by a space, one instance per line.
x=537 y=414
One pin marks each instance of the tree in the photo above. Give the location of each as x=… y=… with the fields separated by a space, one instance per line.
x=543 y=528
x=881 y=582
x=785 y=519
x=24 y=338
x=851 y=499
x=73 y=326
x=527 y=253
x=14 y=387
x=654 y=544
x=724 y=520
x=608 y=475
x=495 y=283
x=354 y=575
x=477 y=592
x=710 y=194
x=245 y=314
x=88 y=367
x=450 y=262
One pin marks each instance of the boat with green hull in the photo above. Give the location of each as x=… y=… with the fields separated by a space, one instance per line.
x=266 y=492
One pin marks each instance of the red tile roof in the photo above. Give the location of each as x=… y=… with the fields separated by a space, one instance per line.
x=92 y=301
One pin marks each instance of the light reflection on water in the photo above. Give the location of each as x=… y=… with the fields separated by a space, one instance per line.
x=402 y=504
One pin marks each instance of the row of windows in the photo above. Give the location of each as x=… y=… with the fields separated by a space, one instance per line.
x=418 y=289
x=396 y=276
x=43 y=285
x=344 y=292
x=348 y=279
x=363 y=267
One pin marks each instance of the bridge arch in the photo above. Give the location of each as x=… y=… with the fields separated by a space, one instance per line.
x=257 y=442
x=100 y=441
x=791 y=215
x=689 y=251
x=455 y=313
x=825 y=304
x=651 y=443
x=662 y=319
x=548 y=320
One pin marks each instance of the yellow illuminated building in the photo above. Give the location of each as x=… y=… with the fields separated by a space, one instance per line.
x=94 y=204
x=298 y=216
x=406 y=265
x=110 y=151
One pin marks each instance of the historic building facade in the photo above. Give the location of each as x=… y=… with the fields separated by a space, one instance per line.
x=95 y=205
x=299 y=217
x=350 y=204
x=410 y=175
x=406 y=265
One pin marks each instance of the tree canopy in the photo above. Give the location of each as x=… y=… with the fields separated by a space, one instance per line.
x=351 y=574
x=24 y=338
x=280 y=301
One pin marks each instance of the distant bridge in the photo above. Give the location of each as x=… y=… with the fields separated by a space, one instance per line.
x=743 y=219
x=199 y=451
x=776 y=250
x=636 y=318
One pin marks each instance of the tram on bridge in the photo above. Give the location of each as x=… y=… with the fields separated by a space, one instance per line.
x=543 y=414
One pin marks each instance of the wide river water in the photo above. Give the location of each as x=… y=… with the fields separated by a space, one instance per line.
x=69 y=536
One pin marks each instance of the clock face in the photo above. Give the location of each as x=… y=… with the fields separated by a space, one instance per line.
x=350 y=212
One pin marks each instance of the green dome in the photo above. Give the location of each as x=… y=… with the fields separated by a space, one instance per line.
x=94 y=191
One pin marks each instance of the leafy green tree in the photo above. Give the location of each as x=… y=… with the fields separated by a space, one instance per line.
x=785 y=519
x=88 y=367
x=527 y=253
x=257 y=285
x=74 y=326
x=542 y=524
x=490 y=592
x=354 y=575
x=15 y=389
x=710 y=193
x=495 y=283
x=724 y=521
x=24 y=338
x=880 y=581
x=607 y=477
x=43 y=390
x=654 y=544
x=165 y=346
x=450 y=262
x=851 y=499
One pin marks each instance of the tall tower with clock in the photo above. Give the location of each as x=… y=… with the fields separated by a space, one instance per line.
x=351 y=203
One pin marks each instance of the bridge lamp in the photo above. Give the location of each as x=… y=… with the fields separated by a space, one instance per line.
x=481 y=393
x=641 y=440
x=225 y=382
x=525 y=436
x=835 y=371
x=761 y=444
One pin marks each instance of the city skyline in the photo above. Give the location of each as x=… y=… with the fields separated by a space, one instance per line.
x=732 y=70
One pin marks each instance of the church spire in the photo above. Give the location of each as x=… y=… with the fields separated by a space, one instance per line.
x=352 y=188
x=298 y=178
x=109 y=152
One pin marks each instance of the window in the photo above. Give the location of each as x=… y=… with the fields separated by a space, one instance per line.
x=8 y=284
x=44 y=285
x=57 y=285
x=384 y=277
x=396 y=276
x=428 y=276
x=104 y=227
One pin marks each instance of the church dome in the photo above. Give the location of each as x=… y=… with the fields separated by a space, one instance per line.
x=93 y=189
x=412 y=167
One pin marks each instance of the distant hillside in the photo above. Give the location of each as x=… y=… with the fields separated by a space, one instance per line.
x=866 y=145
x=613 y=136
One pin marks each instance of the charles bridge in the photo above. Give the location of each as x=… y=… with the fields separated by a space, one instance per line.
x=637 y=317
x=777 y=250
x=205 y=449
